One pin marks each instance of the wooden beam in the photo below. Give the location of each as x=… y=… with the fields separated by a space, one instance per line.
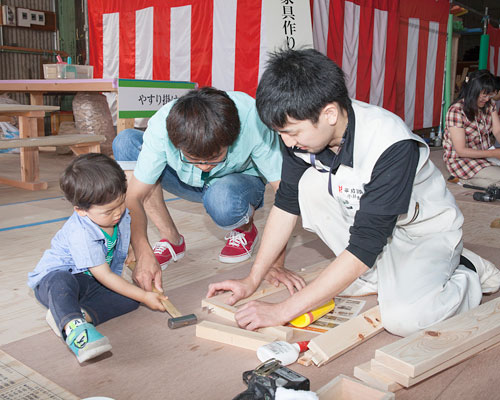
x=227 y=312
x=377 y=379
x=424 y=350
x=408 y=381
x=346 y=336
x=57 y=140
x=231 y=335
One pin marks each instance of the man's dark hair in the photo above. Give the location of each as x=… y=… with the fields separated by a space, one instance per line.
x=202 y=122
x=93 y=179
x=299 y=84
x=477 y=82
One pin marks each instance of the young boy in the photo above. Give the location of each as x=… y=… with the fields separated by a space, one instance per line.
x=79 y=278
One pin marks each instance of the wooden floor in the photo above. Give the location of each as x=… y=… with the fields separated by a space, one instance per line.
x=28 y=221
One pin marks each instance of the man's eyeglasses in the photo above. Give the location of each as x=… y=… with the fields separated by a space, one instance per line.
x=185 y=160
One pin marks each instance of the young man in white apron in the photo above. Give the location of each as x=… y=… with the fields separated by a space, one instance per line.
x=363 y=182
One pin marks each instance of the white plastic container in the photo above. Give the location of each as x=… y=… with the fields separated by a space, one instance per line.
x=285 y=352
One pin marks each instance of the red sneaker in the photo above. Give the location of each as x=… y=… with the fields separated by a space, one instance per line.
x=165 y=251
x=239 y=245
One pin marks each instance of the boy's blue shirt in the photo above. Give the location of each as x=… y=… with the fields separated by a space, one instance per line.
x=80 y=245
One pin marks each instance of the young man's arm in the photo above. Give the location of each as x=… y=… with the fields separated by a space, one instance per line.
x=279 y=227
x=147 y=268
x=119 y=285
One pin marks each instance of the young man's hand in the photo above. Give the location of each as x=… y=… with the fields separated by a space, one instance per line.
x=241 y=288
x=258 y=314
x=290 y=279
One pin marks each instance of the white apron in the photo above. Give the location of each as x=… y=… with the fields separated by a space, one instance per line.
x=419 y=278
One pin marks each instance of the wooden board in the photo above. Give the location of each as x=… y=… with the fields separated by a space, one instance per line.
x=344 y=337
x=377 y=379
x=57 y=140
x=17 y=381
x=426 y=349
x=231 y=335
x=408 y=381
x=226 y=311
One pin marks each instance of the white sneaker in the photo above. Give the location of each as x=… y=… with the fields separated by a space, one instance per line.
x=489 y=275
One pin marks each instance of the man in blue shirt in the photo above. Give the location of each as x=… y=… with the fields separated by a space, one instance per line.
x=208 y=146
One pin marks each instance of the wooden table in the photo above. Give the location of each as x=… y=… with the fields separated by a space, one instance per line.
x=38 y=87
x=28 y=128
x=32 y=119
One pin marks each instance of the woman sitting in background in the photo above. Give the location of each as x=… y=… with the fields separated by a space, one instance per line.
x=470 y=123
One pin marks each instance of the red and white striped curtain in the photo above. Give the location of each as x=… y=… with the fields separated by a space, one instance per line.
x=392 y=51
x=211 y=42
x=494 y=50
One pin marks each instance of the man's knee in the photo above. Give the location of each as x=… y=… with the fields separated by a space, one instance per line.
x=127 y=145
x=406 y=319
x=398 y=321
x=225 y=204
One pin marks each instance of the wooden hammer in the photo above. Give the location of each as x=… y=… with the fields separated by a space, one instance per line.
x=178 y=320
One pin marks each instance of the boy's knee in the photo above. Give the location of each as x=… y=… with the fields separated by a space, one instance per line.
x=130 y=305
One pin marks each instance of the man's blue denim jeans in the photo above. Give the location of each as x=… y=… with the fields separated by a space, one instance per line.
x=230 y=201
x=65 y=294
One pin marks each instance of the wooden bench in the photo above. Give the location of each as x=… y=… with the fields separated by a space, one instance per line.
x=29 y=143
x=79 y=143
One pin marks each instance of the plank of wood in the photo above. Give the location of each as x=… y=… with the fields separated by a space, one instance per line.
x=306 y=359
x=344 y=387
x=424 y=350
x=226 y=311
x=344 y=337
x=57 y=140
x=377 y=379
x=231 y=335
x=40 y=185
x=408 y=381
x=23 y=108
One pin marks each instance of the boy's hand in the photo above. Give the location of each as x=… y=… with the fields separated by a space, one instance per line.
x=153 y=301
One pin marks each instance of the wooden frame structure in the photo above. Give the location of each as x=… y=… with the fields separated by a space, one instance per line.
x=324 y=347
x=29 y=142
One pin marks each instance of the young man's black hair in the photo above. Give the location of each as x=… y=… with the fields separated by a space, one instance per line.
x=299 y=84
x=93 y=179
x=202 y=122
